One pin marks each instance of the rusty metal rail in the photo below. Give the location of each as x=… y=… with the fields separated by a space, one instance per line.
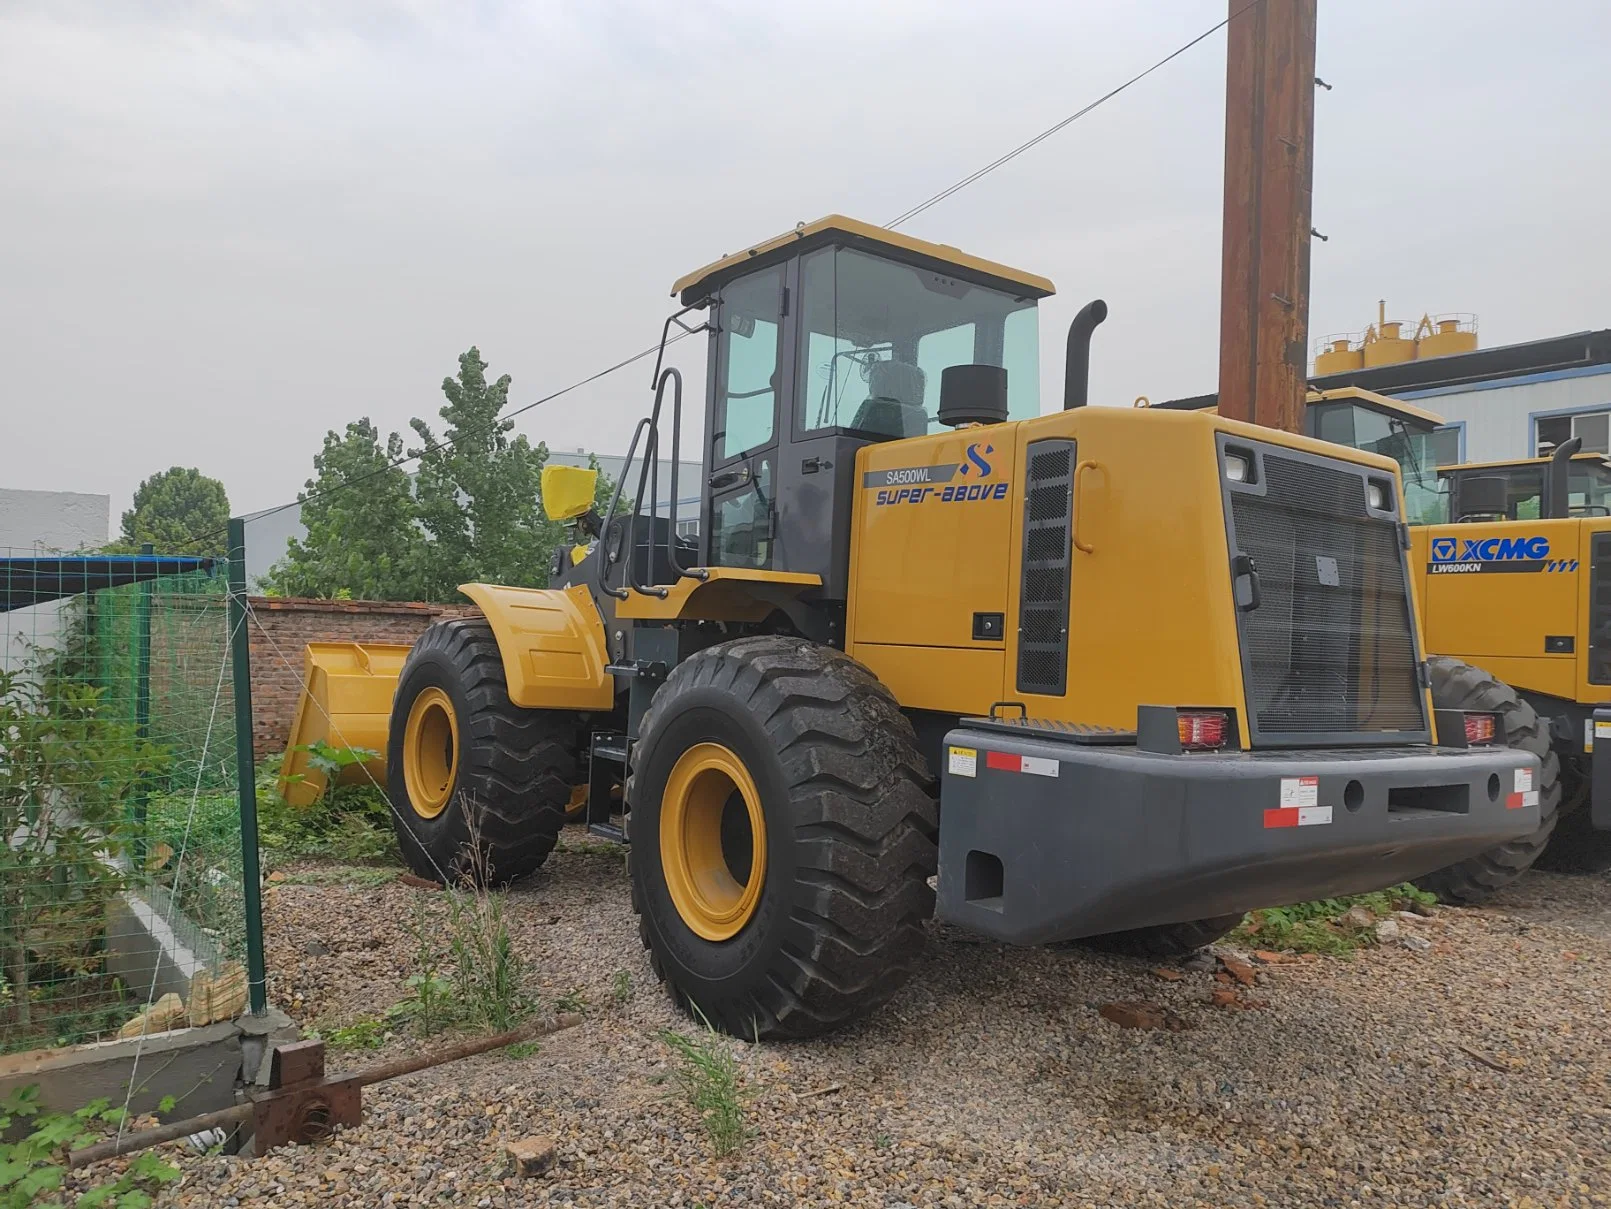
x=302 y=1104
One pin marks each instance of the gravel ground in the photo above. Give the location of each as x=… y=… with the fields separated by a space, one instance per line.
x=1471 y=1073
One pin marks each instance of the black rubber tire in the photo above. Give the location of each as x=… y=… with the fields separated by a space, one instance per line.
x=1458 y=685
x=851 y=825
x=1576 y=847
x=1163 y=940
x=514 y=771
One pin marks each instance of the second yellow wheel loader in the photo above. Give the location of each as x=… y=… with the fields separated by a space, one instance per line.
x=1098 y=673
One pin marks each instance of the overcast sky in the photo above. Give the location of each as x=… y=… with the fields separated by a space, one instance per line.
x=227 y=226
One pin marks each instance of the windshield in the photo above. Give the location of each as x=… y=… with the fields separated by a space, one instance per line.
x=1425 y=495
x=1588 y=491
x=878 y=335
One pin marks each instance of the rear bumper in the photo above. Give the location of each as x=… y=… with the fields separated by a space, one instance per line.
x=1049 y=840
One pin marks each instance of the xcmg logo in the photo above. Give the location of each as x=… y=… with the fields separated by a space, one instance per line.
x=1490 y=549
x=1476 y=555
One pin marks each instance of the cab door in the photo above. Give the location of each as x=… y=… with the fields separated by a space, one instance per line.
x=738 y=516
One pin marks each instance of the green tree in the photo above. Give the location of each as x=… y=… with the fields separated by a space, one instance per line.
x=478 y=488
x=179 y=511
x=362 y=540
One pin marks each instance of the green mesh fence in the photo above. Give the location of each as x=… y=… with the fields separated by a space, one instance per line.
x=120 y=871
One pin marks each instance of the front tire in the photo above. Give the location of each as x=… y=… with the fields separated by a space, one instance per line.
x=1458 y=685
x=478 y=786
x=783 y=828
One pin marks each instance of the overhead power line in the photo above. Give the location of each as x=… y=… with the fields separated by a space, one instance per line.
x=939 y=197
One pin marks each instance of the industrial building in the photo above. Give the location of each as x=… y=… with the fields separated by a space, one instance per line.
x=1510 y=401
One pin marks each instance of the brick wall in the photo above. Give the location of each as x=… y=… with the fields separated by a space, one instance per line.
x=290 y=623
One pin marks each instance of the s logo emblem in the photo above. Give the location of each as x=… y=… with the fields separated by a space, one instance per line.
x=976 y=461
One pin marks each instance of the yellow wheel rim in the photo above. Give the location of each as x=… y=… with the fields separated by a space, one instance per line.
x=712 y=841
x=430 y=752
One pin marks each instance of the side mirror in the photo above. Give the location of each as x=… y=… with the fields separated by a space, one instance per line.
x=567 y=491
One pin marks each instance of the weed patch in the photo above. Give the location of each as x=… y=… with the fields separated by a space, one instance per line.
x=707 y=1076
x=1320 y=926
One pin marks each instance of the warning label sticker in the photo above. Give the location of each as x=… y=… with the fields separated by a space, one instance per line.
x=1301 y=791
x=963 y=762
x=1524 y=780
x=1297 y=816
x=1602 y=730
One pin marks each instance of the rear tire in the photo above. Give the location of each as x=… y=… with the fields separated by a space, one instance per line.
x=1164 y=940
x=1576 y=847
x=1458 y=685
x=808 y=744
x=508 y=775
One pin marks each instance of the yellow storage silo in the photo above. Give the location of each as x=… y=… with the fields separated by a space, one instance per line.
x=1386 y=343
x=1446 y=335
x=1339 y=356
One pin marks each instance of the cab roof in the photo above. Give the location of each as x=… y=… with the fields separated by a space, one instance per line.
x=837 y=229
x=1376 y=402
x=1341 y=394
x=1509 y=463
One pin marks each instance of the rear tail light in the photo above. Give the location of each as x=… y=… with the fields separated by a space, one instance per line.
x=1203 y=731
x=1481 y=729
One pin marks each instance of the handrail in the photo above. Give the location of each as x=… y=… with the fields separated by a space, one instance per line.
x=602 y=570
x=649 y=476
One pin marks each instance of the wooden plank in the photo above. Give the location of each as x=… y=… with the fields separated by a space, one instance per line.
x=1269 y=180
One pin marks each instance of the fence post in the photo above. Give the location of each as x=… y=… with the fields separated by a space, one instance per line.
x=246 y=768
x=142 y=707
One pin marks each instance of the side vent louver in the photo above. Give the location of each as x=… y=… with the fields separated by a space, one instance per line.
x=1043 y=595
x=1600 y=609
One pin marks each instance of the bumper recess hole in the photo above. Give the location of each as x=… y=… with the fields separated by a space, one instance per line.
x=1353 y=795
x=1493 y=787
x=1429 y=799
x=983 y=879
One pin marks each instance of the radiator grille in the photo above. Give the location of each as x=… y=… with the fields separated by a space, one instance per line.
x=1600 y=609
x=1043 y=593
x=1330 y=649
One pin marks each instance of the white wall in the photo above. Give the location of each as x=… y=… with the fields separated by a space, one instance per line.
x=1498 y=415
x=44 y=522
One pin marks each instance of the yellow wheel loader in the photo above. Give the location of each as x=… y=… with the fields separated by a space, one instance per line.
x=1099 y=673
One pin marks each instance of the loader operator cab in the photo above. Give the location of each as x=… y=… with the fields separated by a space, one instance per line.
x=1516 y=490
x=836 y=336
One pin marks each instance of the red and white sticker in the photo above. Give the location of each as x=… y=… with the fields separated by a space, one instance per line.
x=1035 y=766
x=1520 y=801
x=1524 y=780
x=1298 y=816
x=1301 y=791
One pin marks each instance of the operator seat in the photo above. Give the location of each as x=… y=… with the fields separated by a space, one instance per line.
x=894 y=404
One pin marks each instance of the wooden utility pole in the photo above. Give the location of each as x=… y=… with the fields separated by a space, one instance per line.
x=1269 y=179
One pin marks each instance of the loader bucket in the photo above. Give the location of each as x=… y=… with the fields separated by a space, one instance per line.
x=346 y=702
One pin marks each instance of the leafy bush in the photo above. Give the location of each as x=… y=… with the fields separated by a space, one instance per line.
x=33 y=1168
x=351 y=823
x=67 y=770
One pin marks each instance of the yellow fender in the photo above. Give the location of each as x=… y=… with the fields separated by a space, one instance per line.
x=346 y=701
x=552 y=643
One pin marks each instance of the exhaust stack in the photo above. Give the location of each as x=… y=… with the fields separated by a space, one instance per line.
x=1077 y=368
x=1558 y=480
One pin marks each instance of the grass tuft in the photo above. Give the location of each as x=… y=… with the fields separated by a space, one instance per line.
x=707 y=1076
